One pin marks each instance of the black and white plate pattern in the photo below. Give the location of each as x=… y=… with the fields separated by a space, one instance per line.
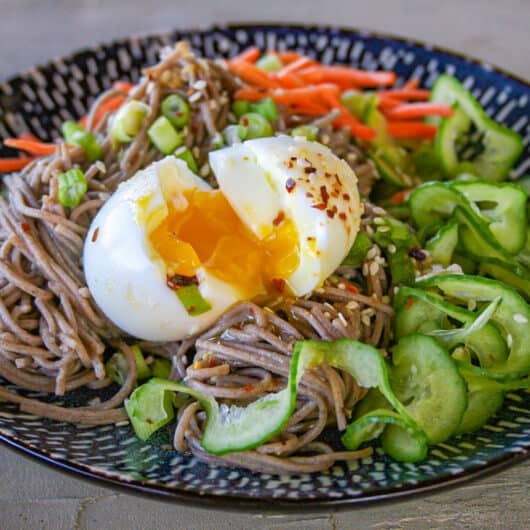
x=42 y=98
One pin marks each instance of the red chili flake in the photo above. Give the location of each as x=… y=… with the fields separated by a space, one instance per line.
x=337 y=179
x=319 y=206
x=352 y=288
x=149 y=420
x=331 y=213
x=290 y=185
x=191 y=309
x=491 y=357
x=309 y=195
x=309 y=170
x=324 y=194
x=212 y=362
x=417 y=254
x=279 y=284
x=327 y=175
x=410 y=302
x=342 y=216
x=245 y=158
x=293 y=158
x=25 y=227
x=248 y=388
x=400 y=196
x=290 y=165
x=177 y=281
x=346 y=196
x=311 y=238
x=335 y=193
x=95 y=234
x=279 y=218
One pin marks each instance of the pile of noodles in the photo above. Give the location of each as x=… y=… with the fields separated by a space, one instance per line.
x=53 y=338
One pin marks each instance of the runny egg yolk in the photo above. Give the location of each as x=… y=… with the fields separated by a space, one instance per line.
x=202 y=230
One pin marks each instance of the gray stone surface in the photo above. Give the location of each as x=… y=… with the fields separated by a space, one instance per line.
x=31 y=31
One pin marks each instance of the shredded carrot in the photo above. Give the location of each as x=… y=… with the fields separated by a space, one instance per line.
x=411 y=84
x=7 y=165
x=388 y=103
x=289 y=57
x=122 y=86
x=309 y=109
x=410 y=111
x=346 y=76
x=287 y=80
x=350 y=287
x=27 y=136
x=405 y=93
x=251 y=74
x=250 y=55
x=110 y=105
x=251 y=93
x=300 y=63
x=411 y=129
x=400 y=196
x=35 y=147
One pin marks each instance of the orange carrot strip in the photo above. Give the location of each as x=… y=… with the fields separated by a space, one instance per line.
x=251 y=74
x=410 y=111
x=35 y=147
x=7 y=165
x=404 y=93
x=83 y=120
x=250 y=55
x=289 y=57
x=347 y=76
x=122 y=86
x=27 y=136
x=309 y=109
x=300 y=63
x=389 y=103
x=411 y=84
x=110 y=105
x=287 y=80
x=251 y=93
x=411 y=129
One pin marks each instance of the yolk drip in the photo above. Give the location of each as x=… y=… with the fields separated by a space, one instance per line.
x=202 y=229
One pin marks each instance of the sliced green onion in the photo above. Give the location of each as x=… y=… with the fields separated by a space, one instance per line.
x=235 y=134
x=161 y=368
x=240 y=107
x=117 y=366
x=218 y=141
x=192 y=300
x=128 y=121
x=176 y=110
x=269 y=63
x=76 y=134
x=257 y=125
x=267 y=108
x=185 y=154
x=164 y=136
x=72 y=187
x=308 y=131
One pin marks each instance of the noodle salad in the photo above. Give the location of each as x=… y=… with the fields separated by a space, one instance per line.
x=257 y=250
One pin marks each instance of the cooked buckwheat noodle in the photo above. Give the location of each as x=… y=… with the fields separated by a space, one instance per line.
x=53 y=337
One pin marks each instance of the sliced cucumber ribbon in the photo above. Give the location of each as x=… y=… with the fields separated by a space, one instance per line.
x=233 y=428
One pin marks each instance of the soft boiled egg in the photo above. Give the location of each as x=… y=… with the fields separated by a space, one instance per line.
x=286 y=214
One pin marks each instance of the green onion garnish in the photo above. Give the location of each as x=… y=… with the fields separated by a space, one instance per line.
x=185 y=154
x=128 y=121
x=308 y=131
x=76 y=134
x=164 y=136
x=267 y=108
x=235 y=134
x=256 y=124
x=117 y=366
x=269 y=63
x=72 y=187
x=192 y=300
x=176 y=110
x=240 y=107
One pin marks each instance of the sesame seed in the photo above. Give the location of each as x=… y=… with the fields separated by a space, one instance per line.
x=195 y=97
x=325 y=139
x=383 y=229
x=327 y=314
x=509 y=340
x=371 y=253
x=205 y=169
x=365 y=320
x=352 y=305
x=196 y=152
x=342 y=318
x=378 y=211
x=520 y=319
x=199 y=85
x=392 y=248
x=341 y=286
x=378 y=220
x=472 y=305
x=365 y=269
x=374 y=268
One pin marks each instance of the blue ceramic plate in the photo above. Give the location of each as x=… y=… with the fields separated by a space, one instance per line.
x=41 y=99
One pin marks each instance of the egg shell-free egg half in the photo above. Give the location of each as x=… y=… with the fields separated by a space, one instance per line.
x=308 y=184
x=124 y=275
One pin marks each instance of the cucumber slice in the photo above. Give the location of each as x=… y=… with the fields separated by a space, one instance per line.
x=443 y=244
x=518 y=277
x=481 y=406
x=426 y=379
x=403 y=445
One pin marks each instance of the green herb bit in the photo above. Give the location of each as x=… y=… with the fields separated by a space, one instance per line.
x=128 y=121
x=164 y=136
x=72 y=187
x=308 y=131
x=257 y=125
x=192 y=300
x=185 y=154
x=357 y=253
x=269 y=63
x=76 y=134
x=267 y=108
x=176 y=110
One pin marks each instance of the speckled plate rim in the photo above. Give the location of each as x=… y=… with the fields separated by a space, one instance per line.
x=230 y=502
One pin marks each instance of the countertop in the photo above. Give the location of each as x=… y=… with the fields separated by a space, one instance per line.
x=33 y=496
